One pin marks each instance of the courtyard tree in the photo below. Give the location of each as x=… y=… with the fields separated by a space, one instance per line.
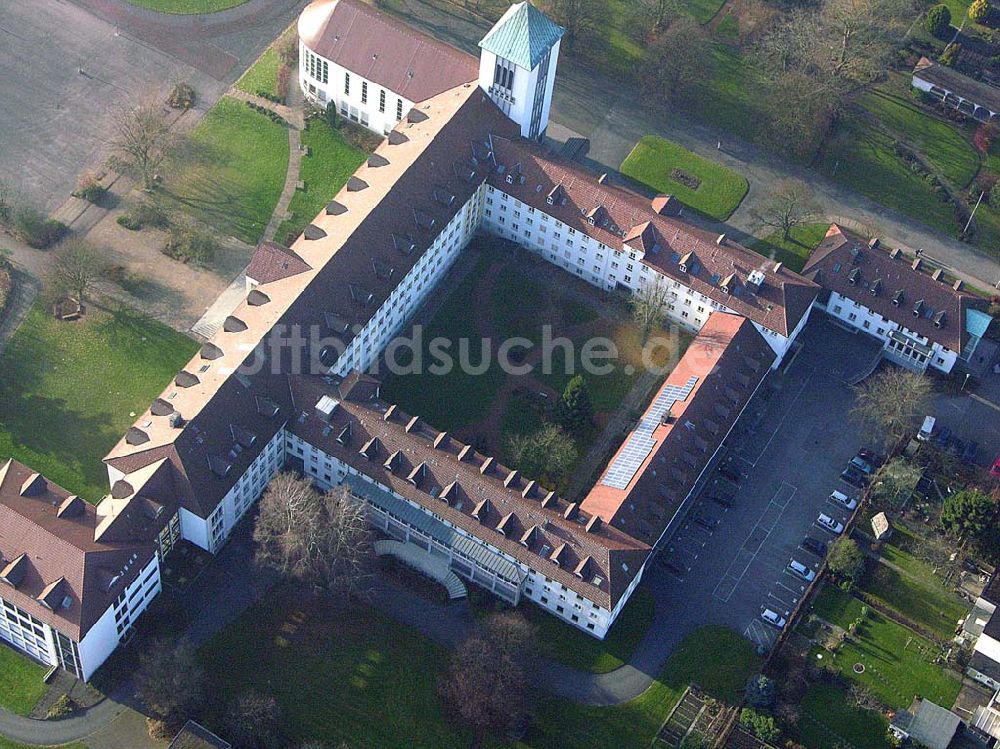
x=894 y=483
x=938 y=20
x=487 y=684
x=545 y=455
x=968 y=514
x=76 y=267
x=321 y=539
x=889 y=402
x=760 y=691
x=170 y=681
x=574 y=410
x=252 y=721
x=143 y=137
x=649 y=306
x=580 y=18
x=677 y=61
x=846 y=560
x=786 y=207
x=861 y=35
x=979 y=11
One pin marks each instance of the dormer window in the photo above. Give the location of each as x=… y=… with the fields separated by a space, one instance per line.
x=510 y=178
x=549 y=200
x=918 y=308
x=854 y=276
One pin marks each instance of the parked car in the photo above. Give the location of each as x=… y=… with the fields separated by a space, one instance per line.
x=814 y=545
x=730 y=473
x=927 y=429
x=672 y=566
x=970 y=452
x=942 y=437
x=800 y=570
x=995 y=468
x=706 y=521
x=869 y=455
x=843 y=500
x=956 y=447
x=832 y=525
x=773 y=618
x=854 y=477
x=721 y=500
x=862 y=465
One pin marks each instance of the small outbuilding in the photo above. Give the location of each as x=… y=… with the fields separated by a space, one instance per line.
x=926 y=724
x=881 y=527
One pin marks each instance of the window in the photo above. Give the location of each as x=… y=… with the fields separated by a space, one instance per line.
x=399 y=109
x=364 y=92
x=381 y=100
x=347 y=83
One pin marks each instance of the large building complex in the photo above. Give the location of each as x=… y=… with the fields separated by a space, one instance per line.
x=283 y=383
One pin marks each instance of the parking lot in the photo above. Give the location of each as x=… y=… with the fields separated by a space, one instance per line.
x=728 y=561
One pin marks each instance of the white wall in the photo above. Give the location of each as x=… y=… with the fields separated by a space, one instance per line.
x=518 y=102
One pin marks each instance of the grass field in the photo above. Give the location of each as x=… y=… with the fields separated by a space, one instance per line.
x=795 y=250
x=569 y=645
x=70 y=389
x=830 y=720
x=262 y=76
x=927 y=603
x=231 y=169
x=21 y=686
x=654 y=162
x=716 y=658
x=331 y=161
x=338 y=676
x=898 y=663
x=187 y=6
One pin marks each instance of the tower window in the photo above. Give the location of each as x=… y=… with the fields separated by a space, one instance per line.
x=364 y=92
x=503 y=76
x=381 y=100
x=347 y=83
x=399 y=109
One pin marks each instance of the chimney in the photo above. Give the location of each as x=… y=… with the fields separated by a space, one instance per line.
x=325 y=407
x=957 y=286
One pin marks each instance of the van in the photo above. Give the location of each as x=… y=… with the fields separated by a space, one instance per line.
x=773 y=618
x=800 y=570
x=843 y=500
x=927 y=429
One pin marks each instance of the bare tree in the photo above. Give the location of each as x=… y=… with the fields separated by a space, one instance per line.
x=320 y=539
x=252 y=721
x=889 y=402
x=649 y=306
x=487 y=683
x=545 y=455
x=144 y=137
x=862 y=34
x=578 y=17
x=170 y=681
x=787 y=206
x=678 y=61
x=75 y=268
x=655 y=15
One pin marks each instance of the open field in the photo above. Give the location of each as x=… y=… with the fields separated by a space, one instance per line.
x=187 y=6
x=929 y=604
x=230 y=170
x=898 y=663
x=71 y=389
x=716 y=658
x=21 y=686
x=668 y=168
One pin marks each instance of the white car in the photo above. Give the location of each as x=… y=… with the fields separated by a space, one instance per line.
x=773 y=618
x=800 y=570
x=829 y=523
x=843 y=500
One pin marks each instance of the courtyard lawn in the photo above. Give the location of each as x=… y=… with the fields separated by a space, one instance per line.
x=70 y=389
x=21 y=686
x=898 y=663
x=567 y=644
x=187 y=6
x=927 y=603
x=230 y=171
x=829 y=720
x=715 y=658
x=331 y=161
x=350 y=676
x=262 y=76
x=666 y=167
x=795 y=250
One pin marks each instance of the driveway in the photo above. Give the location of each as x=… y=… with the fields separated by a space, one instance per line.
x=67 y=66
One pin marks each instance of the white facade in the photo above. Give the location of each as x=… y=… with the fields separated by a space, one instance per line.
x=356 y=98
x=902 y=345
x=523 y=95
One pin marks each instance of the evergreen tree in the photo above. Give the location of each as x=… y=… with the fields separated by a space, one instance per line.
x=574 y=410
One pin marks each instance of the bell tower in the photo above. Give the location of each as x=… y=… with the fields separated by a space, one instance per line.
x=517 y=66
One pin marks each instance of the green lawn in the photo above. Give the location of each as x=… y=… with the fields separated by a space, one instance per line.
x=187 y=6
x=703 y=10
x=231 y=170
x=795 y=250
x=898 y=663
x=262 y=76
x=331 y=161
x=567 y=644
x=716 y=658
x=338 y=676
x=830 y=720
x=653 y=160
x=5 y=744
x=924 y=601
x=21 y=686
x=70 y=390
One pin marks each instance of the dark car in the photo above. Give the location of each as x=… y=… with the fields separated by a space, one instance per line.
x=862 y=465
x=674 y=567
x=730 y=473
x=814 y=545
x=705 y=521
x=868 y=456
x=942 y=437
x=854 y=477
x=970 y=452
x=956 y=447
x=720 y=500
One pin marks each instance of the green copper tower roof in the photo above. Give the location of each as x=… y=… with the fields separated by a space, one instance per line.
x=523 y=36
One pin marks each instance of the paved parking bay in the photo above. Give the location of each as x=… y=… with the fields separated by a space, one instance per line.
x=791 y=447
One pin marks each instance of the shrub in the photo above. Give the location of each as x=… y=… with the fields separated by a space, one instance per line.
x=190 y=245
x=144 y=213
x=128 y=221
x=995 y=195
x=36 y=230
x=938 y=20
x=979 y=11
x=61 y=707
x=762 y=726
x=89 y=188
x=6 y=286
x=181 y=96
x=332 y=116
x=950 y=55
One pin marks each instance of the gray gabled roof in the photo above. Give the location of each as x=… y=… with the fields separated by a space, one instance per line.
x=523 y=35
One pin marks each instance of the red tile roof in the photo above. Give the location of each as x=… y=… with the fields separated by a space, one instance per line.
x=778 y=303
x=843 y=262
x=386 y=51
x=63 y=548
x=727 y=359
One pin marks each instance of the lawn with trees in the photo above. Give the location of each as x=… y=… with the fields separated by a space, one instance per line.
x=62 y=411
x=230 y=170
x=21 y=686
x=666 y=167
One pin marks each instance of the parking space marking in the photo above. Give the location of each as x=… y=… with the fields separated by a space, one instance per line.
x=761 y=634
x=787 y=606
x=781 y=422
